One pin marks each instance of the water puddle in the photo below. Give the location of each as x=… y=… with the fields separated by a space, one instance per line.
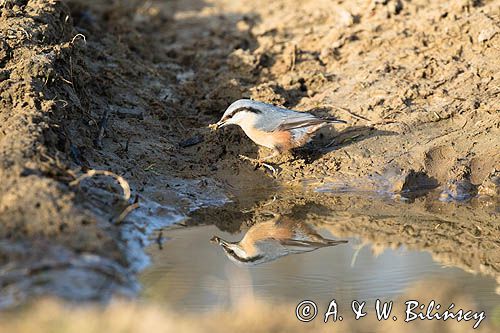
x=286 y=257
x=152 y=214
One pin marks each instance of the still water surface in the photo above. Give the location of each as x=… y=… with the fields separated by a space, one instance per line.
x=190 y=273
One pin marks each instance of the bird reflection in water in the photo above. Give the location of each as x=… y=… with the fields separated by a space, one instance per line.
x=270 y=240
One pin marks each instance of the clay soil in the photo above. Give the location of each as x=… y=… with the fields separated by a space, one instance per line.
x=131 y=86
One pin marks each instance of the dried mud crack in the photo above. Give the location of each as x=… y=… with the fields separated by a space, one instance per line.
x=129 y=87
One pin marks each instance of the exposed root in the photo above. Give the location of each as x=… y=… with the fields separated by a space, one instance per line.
x=126 y=211
x=91 y=173
x=79 y=35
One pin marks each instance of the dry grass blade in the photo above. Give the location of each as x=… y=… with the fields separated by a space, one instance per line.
x=352 y=114
x=370 y=122
x=91 y=173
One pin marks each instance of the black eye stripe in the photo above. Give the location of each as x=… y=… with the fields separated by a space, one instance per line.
x=235 y=256
x=250 y=109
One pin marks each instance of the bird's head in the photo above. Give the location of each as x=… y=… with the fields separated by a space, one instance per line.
x=241 y=112
x=235 y=252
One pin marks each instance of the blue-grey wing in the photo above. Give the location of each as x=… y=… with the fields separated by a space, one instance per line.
x=278 y=119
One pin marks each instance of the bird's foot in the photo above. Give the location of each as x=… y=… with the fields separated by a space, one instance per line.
x=259 y=163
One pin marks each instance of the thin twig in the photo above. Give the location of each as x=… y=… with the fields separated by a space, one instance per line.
x=355 y=255
x=64 y=80
x=103 y=123
x=294 y=57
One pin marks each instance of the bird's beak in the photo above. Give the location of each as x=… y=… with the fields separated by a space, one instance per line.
x=219 y=241
x=220 y=124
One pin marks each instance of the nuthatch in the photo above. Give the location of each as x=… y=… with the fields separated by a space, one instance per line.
x=273 y=127
x=267 y=241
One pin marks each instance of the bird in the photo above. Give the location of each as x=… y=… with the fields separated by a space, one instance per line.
x=274 y=127
x=272 y=239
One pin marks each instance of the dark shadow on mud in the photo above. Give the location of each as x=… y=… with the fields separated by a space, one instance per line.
x=328 y=140
x=357 y=134
x=417 y=184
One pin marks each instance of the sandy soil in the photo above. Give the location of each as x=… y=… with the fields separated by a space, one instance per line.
x=130 y=87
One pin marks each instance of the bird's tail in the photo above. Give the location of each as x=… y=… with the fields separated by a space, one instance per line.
x=332 y=242
x=317 y=244
x=332 y=120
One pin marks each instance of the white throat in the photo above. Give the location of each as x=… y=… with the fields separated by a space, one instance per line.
x=247 y=121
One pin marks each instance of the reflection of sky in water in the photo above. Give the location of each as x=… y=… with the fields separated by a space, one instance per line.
x=192 y=273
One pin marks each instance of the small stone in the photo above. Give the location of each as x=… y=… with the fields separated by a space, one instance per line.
x=458 y=189
x=191 y=141
x=346 y=19
x=123 y=112
x=486 y=34
x=491 y=185
x=395 y=7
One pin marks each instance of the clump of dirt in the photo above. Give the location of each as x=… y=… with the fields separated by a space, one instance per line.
x=491 y=185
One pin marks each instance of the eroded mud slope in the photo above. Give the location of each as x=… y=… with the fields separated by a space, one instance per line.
x=46 y=234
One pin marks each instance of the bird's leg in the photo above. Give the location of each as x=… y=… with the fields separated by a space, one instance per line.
x=274 y=154
x=260 y=161
x=246 y=158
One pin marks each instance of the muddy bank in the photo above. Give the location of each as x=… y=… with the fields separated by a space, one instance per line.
x=130 y=87
x=45 y=235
